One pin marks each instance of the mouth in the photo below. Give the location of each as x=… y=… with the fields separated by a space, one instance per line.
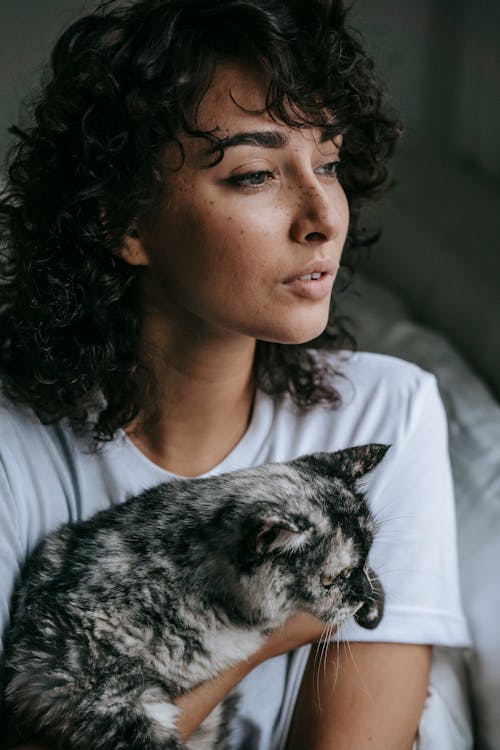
x=315 y=270
x=314 y=285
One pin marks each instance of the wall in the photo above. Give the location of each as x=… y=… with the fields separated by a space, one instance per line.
x=27 y=32
x=440 y=246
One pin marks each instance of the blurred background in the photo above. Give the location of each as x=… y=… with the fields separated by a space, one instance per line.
x=440 y=248
x=441 y=223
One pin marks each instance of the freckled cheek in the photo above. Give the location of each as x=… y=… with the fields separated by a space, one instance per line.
x=240 y=250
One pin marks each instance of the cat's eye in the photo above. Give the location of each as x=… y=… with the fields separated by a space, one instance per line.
x=327 y=580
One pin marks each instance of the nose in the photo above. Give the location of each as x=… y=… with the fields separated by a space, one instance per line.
x=317 y=214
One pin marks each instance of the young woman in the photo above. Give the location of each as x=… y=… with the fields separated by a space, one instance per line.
x=174 y=220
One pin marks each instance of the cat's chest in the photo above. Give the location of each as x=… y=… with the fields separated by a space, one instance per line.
x=219 y=647
x=230 y=645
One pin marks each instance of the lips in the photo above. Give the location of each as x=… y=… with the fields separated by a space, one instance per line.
x=312 y=289
x=323 y=267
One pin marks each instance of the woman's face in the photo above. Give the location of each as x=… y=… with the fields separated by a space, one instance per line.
x=225 y=249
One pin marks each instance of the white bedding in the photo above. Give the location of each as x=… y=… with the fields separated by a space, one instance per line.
x=463 y=705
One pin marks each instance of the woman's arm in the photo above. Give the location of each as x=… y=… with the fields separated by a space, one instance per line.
x=198 y=703
x=361 y=696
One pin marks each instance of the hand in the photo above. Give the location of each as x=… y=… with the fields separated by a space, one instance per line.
x=297 y=631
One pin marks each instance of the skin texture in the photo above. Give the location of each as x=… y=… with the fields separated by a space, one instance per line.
x=364 y=696
x=218 y=251
x=214 y=257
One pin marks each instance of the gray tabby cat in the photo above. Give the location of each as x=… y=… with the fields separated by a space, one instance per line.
x=117 y=615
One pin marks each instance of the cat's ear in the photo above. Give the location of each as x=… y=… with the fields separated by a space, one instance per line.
x=273 y=533
x=348 y=464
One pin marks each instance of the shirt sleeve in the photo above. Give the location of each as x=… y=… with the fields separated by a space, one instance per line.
x=11 y=555
x=414 y=552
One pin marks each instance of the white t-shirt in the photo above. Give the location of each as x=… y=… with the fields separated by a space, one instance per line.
x=48 y=476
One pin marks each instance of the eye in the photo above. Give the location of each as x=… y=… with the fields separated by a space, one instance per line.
x=252 y=180
x=329 y=169
x=327 y=580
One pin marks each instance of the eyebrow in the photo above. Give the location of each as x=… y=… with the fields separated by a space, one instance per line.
x=263 y=138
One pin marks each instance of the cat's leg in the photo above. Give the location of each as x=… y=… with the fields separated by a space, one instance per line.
x=159 y=715
x=113 y=721
x=148 y=724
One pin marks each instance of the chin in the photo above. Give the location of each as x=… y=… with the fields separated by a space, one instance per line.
x=299 y=334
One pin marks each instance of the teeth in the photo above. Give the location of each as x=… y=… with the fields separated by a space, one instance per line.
x=309 y=276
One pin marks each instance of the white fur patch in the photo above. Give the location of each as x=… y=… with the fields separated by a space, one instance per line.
x=160 y=711
x=234 y=644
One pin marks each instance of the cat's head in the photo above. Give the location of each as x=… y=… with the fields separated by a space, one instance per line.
x=302 y=532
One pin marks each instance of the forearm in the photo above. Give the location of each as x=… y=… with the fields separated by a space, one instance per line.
x=197 y=704
x=366 y=696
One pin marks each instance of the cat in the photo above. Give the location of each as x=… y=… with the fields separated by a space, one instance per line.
x=117 y=615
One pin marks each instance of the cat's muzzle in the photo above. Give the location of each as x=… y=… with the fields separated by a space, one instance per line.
x=371 y=611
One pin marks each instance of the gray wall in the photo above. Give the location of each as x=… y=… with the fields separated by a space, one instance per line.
x=441 y=223
x=27 y=32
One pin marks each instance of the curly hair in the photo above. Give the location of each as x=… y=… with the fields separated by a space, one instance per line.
x=124 y=81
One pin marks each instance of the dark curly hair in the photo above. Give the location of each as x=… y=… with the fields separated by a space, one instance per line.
x=124 y=81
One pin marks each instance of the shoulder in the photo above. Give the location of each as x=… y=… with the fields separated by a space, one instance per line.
x=20 y=436
x=23 y=437
x=381 y=387
x=383 y=399
x=370 y=370
x=385 y=389
x=38 y=467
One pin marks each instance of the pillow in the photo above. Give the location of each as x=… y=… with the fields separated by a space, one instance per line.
x=382 y=323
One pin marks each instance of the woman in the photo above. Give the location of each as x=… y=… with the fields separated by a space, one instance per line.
x=174 y=221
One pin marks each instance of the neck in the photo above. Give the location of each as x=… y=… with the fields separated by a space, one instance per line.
x=205 y=402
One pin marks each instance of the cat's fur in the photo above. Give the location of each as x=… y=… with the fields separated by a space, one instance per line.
x=117 y=615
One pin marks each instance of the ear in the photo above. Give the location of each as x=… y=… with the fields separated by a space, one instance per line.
x=272 y=533
x=348 y=464
x=132 y=250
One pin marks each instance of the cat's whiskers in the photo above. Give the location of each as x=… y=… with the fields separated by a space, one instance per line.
x=337 y=658
x=325 y=644
x=318 y=657
x=363 y=684
x=327 y=647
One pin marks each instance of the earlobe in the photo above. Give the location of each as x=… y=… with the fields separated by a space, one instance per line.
x=132 y=250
